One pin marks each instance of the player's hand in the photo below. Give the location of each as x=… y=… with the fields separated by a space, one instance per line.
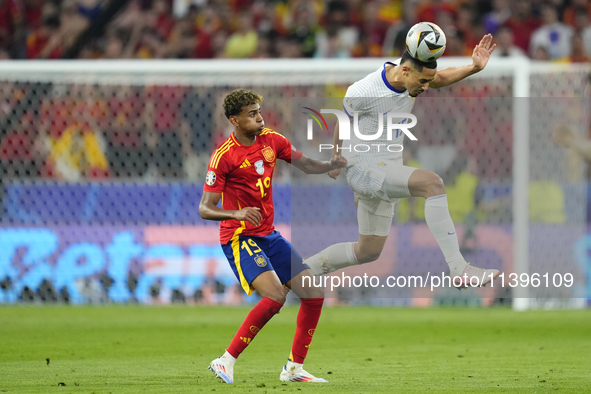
x=251 y=215
x=482 y=52
x=337 y=162
x=563 y=136
x=334 y=174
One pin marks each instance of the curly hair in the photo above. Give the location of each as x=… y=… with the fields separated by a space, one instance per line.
x=238 y=99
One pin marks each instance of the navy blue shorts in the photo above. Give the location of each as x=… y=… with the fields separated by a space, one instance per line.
x=249 y=256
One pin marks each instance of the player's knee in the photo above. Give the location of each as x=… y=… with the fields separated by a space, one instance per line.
x=435 y=186
x=277 y=296
x=425 y=184
x=276 y=293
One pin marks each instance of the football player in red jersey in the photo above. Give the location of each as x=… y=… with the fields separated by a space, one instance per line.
x=240 y=173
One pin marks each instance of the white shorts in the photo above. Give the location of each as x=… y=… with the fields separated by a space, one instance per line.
x=372 y=223
x=375 y=213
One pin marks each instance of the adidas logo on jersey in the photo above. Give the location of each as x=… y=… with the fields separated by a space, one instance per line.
x=245 y=164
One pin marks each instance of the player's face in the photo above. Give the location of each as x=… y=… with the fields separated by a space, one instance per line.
x=418 y=82
x=250 y=120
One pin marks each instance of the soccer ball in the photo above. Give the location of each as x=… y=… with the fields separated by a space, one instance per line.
x=425 y=42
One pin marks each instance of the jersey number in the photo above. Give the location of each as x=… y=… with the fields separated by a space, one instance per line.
x=262 y=184
x=253 y=244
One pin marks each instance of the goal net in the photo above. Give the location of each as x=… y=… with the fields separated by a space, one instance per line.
x=102 y=167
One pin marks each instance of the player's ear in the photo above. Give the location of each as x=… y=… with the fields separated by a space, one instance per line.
x=234 y=121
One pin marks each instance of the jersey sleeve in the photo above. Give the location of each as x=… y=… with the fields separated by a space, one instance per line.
x=285 y=150
x=215 y=180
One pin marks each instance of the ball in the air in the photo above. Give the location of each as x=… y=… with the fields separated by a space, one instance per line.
x=425 y=42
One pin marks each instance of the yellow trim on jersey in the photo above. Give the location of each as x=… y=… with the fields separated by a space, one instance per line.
x=269 y=131
x=221 y=153
x=217 y=151
x=236 y=251
x=233 y=137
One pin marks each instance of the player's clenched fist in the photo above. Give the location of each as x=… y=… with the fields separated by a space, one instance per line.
x=251 y=215
x=338 y=162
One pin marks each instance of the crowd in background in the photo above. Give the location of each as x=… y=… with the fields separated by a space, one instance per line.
x=82 y=131
x=558 y=30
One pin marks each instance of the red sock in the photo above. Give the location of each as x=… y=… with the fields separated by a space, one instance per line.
x=308 y=317
x=256 y=319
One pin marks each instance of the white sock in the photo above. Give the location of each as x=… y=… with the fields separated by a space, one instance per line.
x=333 y=258
x=229 y=357
x=291 y=366
x=442 y=228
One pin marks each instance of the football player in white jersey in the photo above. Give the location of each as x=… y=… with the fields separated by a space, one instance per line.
x=379 y=179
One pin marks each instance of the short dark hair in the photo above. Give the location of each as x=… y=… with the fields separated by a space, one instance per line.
x=417 y=64
x=238 y=99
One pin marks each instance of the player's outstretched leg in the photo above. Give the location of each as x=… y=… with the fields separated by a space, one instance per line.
x=334 y=257
x=346 y=254
x=308 y=316
x=430 y=186
x=268 y=286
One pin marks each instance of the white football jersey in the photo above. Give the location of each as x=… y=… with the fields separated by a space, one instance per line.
x=373 y=97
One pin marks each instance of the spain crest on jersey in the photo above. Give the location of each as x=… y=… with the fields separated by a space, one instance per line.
x=268 y=154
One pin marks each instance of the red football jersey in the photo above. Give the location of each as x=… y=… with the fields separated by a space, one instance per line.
x=244 y=174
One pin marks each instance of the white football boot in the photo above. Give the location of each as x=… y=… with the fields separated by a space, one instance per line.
x=294 y=372
x=474 y=276
x=223 y=368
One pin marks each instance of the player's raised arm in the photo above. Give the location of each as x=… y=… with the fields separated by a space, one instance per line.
x=313 y=166
x=209 y=210
x=480 y=57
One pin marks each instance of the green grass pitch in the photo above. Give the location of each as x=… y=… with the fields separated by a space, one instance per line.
x=134 y=349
